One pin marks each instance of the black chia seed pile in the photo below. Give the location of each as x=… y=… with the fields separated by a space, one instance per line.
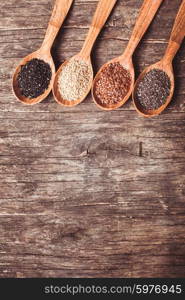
x=34 y=78
x=153 y=90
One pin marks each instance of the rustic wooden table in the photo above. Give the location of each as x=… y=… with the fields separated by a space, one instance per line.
x=83 y=192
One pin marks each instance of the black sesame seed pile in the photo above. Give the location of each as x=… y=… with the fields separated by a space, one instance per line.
x=153 y=90
x=34 y=78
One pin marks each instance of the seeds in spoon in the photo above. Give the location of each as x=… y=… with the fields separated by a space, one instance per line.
x=153 y=90
x=112 y=84
x=34 y=78
x=74 y=80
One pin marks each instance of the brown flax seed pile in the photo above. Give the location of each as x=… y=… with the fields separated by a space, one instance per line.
x=112 y=84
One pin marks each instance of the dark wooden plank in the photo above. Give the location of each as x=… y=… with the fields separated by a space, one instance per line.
x=83 y=192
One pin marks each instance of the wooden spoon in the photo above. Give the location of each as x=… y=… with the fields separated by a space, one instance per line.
x=165 y=64
x=103 y=11
x=146 y=15
x=60 y=11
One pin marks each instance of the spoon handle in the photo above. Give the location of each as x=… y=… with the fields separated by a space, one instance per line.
x=146 y=15
x=58 y=16
x=177 y=35
x=102 y=13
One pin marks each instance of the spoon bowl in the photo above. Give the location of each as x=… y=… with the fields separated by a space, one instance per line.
x=126 y=64
x=176 y=38
x=145 y=17
x=47 y=58
x=56 y=92
x=168 y=69
x=102 y=12
x=60 y=10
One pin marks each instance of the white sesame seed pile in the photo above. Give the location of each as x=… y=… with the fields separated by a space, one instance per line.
x=74 y=80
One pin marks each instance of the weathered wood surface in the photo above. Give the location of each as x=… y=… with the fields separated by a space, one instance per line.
x=83 y=192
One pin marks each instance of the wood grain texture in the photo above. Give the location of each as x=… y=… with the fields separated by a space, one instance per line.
x=83 y=192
